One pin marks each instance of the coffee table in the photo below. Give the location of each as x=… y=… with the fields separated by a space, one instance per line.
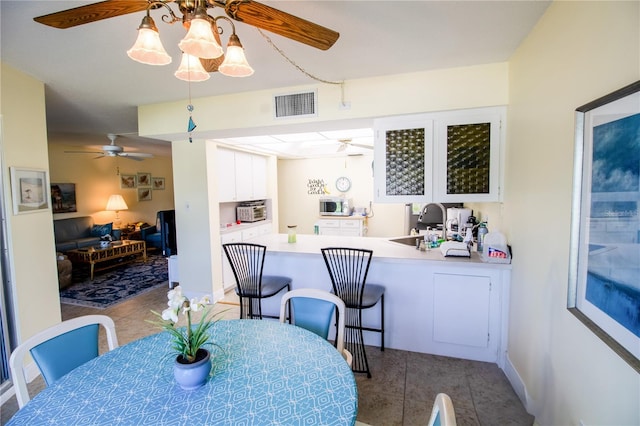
x=95 y=255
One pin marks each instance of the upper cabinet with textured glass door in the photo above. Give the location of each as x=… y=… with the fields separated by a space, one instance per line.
x=459 y=161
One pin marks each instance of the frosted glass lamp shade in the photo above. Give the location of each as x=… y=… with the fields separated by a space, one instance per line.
x=148 y=48
x=116 y=203
x=200 y=41
x=235 y=63
x=191 y=69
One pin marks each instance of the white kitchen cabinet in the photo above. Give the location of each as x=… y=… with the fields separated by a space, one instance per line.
x=468 y=155
x=241 y=176
x=352 y=227
x=451 y=156
x=403 y=160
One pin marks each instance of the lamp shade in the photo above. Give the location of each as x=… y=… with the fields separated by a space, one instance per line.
x=191 y=69
x=200 y=41
x=116 y=203
x=148 y=48
x=235 y=63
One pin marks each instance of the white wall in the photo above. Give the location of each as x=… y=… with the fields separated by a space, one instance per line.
x=34 y=277
x=578 y=52
x=96 y=179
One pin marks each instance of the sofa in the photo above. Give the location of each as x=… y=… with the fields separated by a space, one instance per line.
x=78 y=232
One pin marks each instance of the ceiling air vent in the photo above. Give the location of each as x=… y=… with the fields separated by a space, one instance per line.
x=295 y=105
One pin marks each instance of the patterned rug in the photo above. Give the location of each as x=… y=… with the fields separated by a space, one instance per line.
x=116 y=285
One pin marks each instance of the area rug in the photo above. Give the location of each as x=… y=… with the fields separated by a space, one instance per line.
x=116 y=285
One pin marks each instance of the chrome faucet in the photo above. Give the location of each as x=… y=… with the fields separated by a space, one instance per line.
x=444 y=217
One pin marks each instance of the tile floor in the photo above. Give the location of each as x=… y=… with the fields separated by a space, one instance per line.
x=401 y=391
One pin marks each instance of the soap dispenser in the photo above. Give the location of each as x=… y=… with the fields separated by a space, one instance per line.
x=482 y=231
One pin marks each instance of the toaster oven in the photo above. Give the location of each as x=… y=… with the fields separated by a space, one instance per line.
x=251 y=213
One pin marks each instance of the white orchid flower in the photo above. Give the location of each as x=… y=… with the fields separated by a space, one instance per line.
x=170 y=314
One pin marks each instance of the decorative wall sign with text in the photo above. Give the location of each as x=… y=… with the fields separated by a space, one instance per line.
x=317 y=187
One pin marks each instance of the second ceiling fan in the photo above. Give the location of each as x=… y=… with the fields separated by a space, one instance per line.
x=113 y=150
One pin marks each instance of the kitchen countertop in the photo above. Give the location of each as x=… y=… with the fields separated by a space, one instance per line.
x=383 y=249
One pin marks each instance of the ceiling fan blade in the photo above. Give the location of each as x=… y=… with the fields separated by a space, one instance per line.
x=91 y=13
x=83 y=152
x=359 y=145
x=282 y=23
x=135 y=155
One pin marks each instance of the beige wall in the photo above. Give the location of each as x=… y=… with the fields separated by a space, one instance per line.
x=33 y=274
x=97 y=179
x=578 y=52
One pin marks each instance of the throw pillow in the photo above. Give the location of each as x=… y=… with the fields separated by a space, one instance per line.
x=100 y=230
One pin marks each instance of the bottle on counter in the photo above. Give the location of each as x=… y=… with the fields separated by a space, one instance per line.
x=292 y=233
x=482 y=231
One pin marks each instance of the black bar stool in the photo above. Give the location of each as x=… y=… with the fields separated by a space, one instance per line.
x=348 y=269
x=247 y=261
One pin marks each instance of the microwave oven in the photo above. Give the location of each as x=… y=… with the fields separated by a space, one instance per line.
x=251 y=213
x=335 y=206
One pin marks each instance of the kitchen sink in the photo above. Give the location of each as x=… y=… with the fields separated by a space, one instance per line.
x=409 y=241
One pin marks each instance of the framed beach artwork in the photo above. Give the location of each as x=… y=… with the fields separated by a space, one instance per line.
x=604 y=276
x=29 y=190
x=128 y=181
x=63 y=197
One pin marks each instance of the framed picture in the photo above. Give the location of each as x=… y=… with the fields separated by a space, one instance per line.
x=128 y=181
x=158 y=183
x=63 y=197
x=144 y=194
x=604 y=289
x=144 y=180
x=29 y=190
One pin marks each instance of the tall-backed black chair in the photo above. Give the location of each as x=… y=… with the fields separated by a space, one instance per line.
x=348 y=269
x=247 y=262
x=163 y=235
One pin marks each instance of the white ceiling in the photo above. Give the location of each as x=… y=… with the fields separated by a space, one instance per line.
x=93 y=88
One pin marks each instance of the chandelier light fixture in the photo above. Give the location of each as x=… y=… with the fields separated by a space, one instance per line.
x=200 y=45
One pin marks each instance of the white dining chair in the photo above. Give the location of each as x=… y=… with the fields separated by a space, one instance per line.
x=442 y=413
x=59 y=349
x=313 y=310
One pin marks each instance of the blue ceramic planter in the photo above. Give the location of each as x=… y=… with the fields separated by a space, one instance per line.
x=194 y=375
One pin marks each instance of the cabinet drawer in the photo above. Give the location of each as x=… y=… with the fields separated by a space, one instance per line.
x=350 y=224
x=248 y=234
x=329 y=223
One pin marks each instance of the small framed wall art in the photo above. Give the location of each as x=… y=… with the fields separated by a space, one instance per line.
x=128 y=181
x=144 y=194
x=30 y=190
x=63 y=197
x=157 y=183
x=144 y=180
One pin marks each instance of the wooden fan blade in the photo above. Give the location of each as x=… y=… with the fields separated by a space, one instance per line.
x=282 y=23
x=91 y=13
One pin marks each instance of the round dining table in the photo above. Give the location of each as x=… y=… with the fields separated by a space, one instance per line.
x=263 y=373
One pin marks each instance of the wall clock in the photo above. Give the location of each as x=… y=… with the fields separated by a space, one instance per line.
x=343 y=184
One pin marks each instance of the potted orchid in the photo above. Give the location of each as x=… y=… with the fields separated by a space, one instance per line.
x=193 y=360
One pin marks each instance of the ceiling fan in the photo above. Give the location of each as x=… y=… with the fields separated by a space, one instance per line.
x=246 y=11
x=346 y=143
x=113 y=150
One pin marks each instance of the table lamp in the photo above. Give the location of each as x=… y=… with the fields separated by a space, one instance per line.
x=116 y=203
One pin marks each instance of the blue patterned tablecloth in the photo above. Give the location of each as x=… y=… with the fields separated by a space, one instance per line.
x=265 y=373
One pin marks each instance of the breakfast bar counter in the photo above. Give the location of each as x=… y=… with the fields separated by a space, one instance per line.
x=444 y=306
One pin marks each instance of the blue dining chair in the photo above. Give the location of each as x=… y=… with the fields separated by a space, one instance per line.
x=313 y=309
x=442 y=413
x=59 y=349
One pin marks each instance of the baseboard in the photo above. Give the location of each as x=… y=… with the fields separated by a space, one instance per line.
x=518 y=386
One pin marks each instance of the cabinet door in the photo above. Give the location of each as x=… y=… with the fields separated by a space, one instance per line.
x=228 y=280
x=468 y=155
x=461 y=310
x=403 y=159
x=226 y=175
x=259 y=177
x=243 y=176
